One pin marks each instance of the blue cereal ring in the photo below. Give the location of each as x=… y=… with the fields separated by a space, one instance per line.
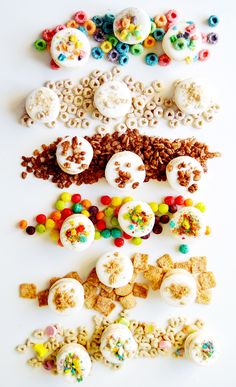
x=107 y=27
x=122 y=48
x=123 y=60
x=151 y=59
x=109 y=17
x=158 y=34
x=98 y=20
x=213 y=21
x=83 y=29
x=97 y=53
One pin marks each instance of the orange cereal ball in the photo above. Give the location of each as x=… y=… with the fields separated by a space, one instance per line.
x=86 y=203
x=100 y=215
x=188 y=202
x=55 y=215
x=23 y=224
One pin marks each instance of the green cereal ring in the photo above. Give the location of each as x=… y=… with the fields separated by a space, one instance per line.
x=180 y=44
x=136 y=49
x=40 y=44
x=112 y=39
x=153 y=27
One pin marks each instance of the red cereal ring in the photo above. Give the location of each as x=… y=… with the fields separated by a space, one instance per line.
x=172 y=15
x=164 y=60
x=60 y=27
x=48 y=34
x=53 y=65
x=203 y=55
x=80 y=17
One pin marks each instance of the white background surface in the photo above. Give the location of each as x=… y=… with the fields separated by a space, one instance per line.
x=26 y=259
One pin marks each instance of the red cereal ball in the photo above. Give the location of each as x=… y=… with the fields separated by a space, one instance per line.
x=101 y=225
x=164 y=60
x=119 y=242
x=105 y=200
x=41 y=219
x=59 y=243
x=66 y=213
x=126 y=236
x=116 y=211
x=53 y=65
x=59 y=224
x=179 y=200
x=76 y=198
x=170 y=200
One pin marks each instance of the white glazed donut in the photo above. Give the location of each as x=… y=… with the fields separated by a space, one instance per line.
x=42 y=105
x=188 y=224
x=113 y=99
x=192 y=96
x=73 y=361
x=136 y=218
x=200 y=347
x=178 y=288
x=184 y=174
x=70 y=48
x=74 y=154
x=182 y=41
x=114 y=269
x=132 y=25
x=125 y=170
x=66 y=296
x=77 y=232
x=118 y=344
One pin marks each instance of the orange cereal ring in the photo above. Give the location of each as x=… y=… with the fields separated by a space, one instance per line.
x=72 y=24
x=149 y=42
x=90 y=27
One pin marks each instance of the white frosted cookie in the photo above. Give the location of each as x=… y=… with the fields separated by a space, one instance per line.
x=42 y=105
x=182 y=41
x=73 y=361
x=70 y=48
x=192 y=96
x=187 y=224
x=113 y=99
x=125 y=170
x=118 y=344
x=66 y=296
x=74 y=154
x=114 y=269
x=132 y=25
x=136 y=218
x=77 y=232
x=178 y=288
x=200 y=347
x=184 y=174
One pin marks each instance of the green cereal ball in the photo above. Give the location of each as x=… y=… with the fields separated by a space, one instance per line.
x=114 y=221
x=109 y=212
x=60 y=205
x=106 y=233
x=40 y=228
x=136 y=49
x=137 y=241
x=116 y=233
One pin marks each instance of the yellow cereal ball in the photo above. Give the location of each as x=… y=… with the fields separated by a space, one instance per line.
x=127 y=199
x=208 y=230
x=85 y=212
x=154 y=206
x=65 y=196
x=163 y=208
x=116 y=201
x=54 y=235
x=50 y=224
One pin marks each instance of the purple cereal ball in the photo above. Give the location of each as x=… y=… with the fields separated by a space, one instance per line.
x=164 y=219
x=93 y=210
x=157 y=229
x=173 y=208
x=146 y=236
x=93 y=219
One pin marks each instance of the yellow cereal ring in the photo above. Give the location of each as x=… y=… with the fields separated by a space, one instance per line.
x=160 y=21
x=106 y=46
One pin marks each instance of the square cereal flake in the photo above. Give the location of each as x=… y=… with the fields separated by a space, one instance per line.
x=206 y=280
x=140 y=262
x=124 y=290
x=28 y=291
x=183 y=265
x=74 y=275
x=155 y=275
x=43 y=297
x=165 y=262
x=198 y=264
x=204 y=297
x=53 y=280
x=90 y=295
x=128 y=302
x=93 y=278
x=104 y=305
x=140 y=290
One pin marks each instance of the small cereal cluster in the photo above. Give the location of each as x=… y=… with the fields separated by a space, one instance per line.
x=100 y=28
x=149 y=106
x=152 y=341
x=197 y=266
x=105 y=219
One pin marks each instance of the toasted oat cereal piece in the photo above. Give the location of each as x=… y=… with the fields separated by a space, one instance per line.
x=165 y=262
x=140 y=290
x=74 y=275
x=53 y=280
x=28 y=291
x=183 y=265
x=93 y=278
x=43 y=297
x=124 y=290
x=140 y=262
x=155 y=275
x=207 y=280
x=204 y=296
x=198 y=264
x=128 y=302
x=90 y=295
x=104 y=305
